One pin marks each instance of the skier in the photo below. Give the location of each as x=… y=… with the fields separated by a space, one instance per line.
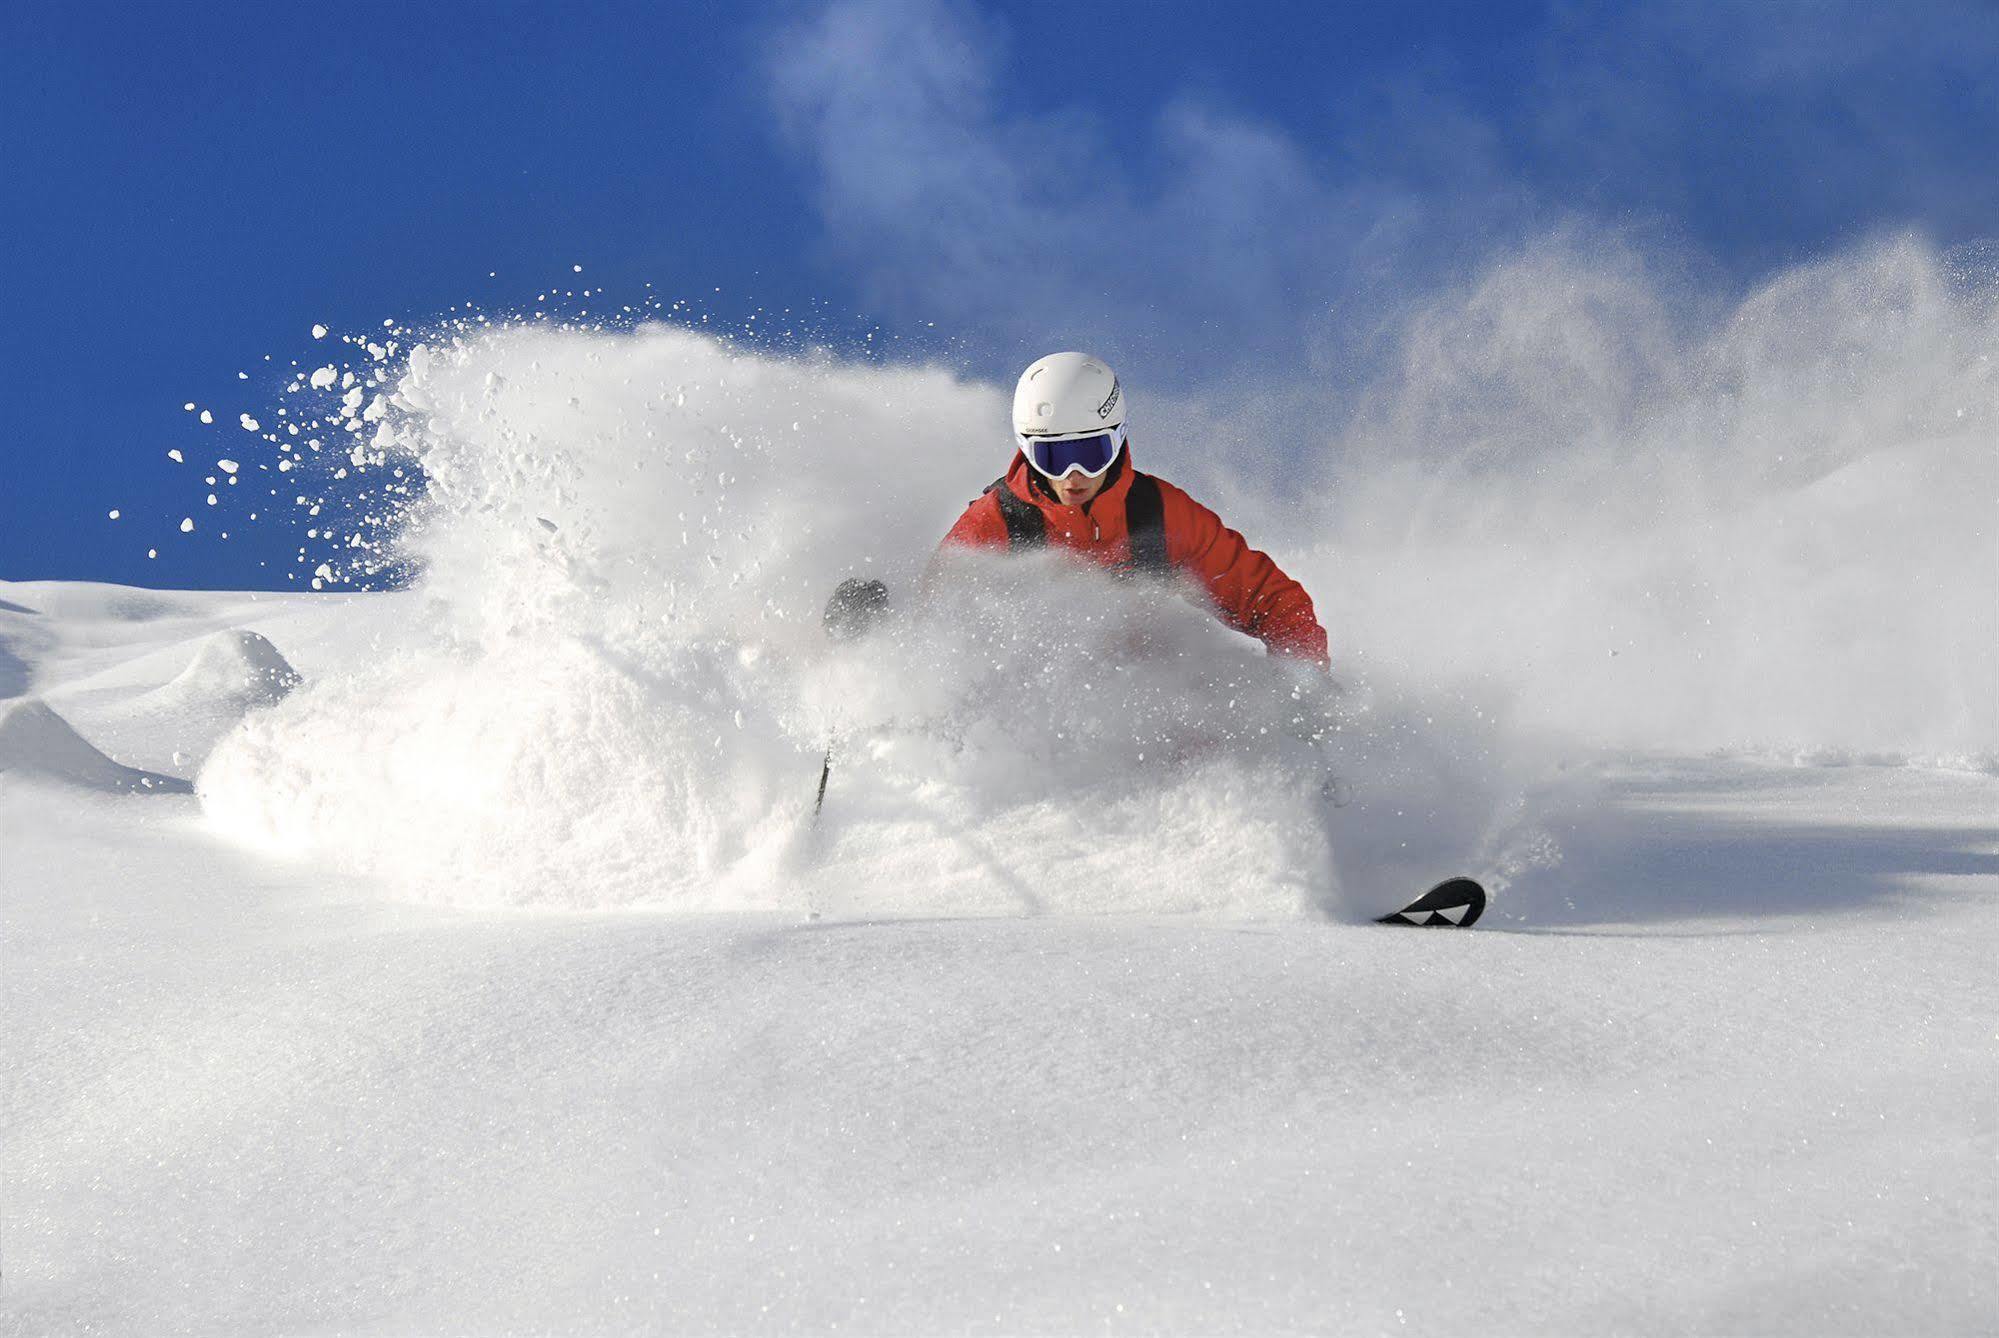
x=1072 y=485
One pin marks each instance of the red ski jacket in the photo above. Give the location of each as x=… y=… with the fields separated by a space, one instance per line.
x=1249 y=592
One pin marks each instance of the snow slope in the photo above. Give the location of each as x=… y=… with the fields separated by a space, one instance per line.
x=1728 y=1068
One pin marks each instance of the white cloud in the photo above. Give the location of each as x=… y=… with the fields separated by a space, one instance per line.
x=947 y=203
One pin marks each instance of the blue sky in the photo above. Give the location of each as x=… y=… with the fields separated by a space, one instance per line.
x=1195 y=189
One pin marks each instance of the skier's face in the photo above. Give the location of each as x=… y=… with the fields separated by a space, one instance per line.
x=1074 y=489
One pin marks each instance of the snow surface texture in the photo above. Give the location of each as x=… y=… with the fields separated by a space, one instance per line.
x=1729 y=1068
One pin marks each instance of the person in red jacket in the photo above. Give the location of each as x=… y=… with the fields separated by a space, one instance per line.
x=1072 y=485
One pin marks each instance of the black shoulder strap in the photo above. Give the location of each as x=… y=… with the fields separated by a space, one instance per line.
x=1145 y=523
x=1026 y=527
x=1144 y=520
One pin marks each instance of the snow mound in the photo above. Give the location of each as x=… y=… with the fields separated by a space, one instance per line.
x=36 y=743
x=233 y=672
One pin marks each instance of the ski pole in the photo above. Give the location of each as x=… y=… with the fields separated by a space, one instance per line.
x=856 y=606
x=825 y=773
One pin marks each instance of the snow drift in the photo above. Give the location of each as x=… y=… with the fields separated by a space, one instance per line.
x=1572 y=513
x=235 y=670
x=37 y=744
x=232 y=672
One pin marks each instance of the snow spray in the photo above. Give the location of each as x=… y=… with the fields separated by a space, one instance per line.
x=1572 y=513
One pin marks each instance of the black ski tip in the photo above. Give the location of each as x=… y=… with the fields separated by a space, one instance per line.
x=1455 y=903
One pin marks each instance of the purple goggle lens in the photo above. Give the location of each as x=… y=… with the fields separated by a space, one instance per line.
x=1092 y=454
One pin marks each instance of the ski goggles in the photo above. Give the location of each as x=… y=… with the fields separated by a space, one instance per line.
x=1056 y=457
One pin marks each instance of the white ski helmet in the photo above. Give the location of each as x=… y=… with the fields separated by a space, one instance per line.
x=1067 y=394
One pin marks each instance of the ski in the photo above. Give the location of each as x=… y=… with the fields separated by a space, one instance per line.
x=1455 y=903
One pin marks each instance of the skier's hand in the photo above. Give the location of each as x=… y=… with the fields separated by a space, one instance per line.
x=856 y=607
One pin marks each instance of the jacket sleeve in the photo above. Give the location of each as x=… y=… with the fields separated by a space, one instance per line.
x=1252 y=594
x=981 y=526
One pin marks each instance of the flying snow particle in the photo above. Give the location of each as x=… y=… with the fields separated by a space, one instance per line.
x=227 y=466
x=211 y=499
x=250 y=424
x=576 y=268
x=324 y=377
x=114 y=513
x=207 y=417
x=175 y=456
x=152 y=552
x=187 y=524
x=319 y=332
x=189 y=406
